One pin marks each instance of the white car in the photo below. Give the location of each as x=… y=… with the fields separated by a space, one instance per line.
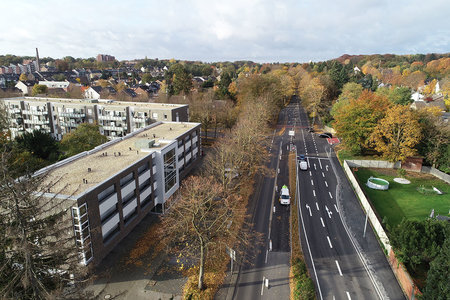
x=285 y=199
x=303 y=165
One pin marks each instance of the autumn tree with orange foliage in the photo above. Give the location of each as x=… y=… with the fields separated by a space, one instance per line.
x=397 y=134
x=356 y=121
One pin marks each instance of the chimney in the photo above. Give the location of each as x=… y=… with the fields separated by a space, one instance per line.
x=37 y=61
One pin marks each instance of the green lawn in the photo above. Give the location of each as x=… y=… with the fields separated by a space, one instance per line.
x=403 y=200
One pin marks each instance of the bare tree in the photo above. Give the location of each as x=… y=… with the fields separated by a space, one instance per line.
x=202 y=219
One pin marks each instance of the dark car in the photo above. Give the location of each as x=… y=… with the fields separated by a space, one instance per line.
x=310 y=129
x=326 y=135
x=301 y=157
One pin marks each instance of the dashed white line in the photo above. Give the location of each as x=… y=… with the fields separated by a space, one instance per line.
x=348 y=295
x=336 y=208
x=331 y=196
x=262 y=286
x=321 y=220
x=326 y=183
x=317 y=206
x=267 y=253
x=329 y=242
x=323 y=175
x=320 y=164
x=310 y=174
x=312 y=182
x=315 y=168
x=339 y=268
x=314 y=193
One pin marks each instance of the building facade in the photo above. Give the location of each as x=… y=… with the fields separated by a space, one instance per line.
x=111 y=188
x=60 y=116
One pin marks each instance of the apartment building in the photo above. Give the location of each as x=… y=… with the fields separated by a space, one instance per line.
x=111 y=188
x=60 y=116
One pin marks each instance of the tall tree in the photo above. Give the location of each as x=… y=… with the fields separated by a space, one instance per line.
x=397 y=95
x=397 y=134
x=36 y=254
x=85 y=137
x=350 y=91
x=202 y=219
x=438 y=284
x=356 y=121
x=40 y=144
x=181 y=80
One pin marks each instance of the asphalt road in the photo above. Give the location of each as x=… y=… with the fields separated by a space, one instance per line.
x=342 y=265
x=338 y=265
x=266 y=276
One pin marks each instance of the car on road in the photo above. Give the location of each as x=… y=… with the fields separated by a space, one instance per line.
x=303 y=165
x=326 y=135
x=285 y=199
x=310 y=129
x=301 y=157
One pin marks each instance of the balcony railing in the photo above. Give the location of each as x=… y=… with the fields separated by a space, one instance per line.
x=34 y=112
x=114 y=118
x=72 y=115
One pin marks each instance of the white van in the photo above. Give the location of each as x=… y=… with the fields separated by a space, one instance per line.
x=285 y=199
x=303 y=165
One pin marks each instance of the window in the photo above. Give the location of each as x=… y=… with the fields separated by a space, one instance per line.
x=154 y=115
x=130 y=217
x=146 y=201
x=165 y=117
x=143 y=168
x=126 y=179
x=181 y=156
x=109 y=213
x=106 y=193
x=180 y=143
x=129 y=197
x=144 y=185
x=170 y=171
x=111 y=233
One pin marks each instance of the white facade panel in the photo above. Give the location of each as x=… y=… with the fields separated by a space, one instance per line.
x=194 y=151
x=108 y=203
x=128 y=188
x=110 y=224
x=188 y=156
x=129 y=208
x=194 y=140
x=143 y=177
x=155 y=185
x=154 y=169
x=180 y=163
x=146 y=192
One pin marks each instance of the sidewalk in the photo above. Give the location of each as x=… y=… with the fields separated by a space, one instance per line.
x=146 y=278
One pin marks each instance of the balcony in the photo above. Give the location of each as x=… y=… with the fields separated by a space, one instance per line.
x=114 y=128
x=36 y=122
x=139 y=120
x=72 y=115
x=35 y=112
x=112 y=118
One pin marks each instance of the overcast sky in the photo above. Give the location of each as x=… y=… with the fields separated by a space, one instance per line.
x=210 y=30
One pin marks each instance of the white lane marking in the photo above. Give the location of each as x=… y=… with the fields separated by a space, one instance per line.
x=312 y=182
x=329 y=242
x=310 y=174
x=309 y=208
x=326 y=183
x=317 y=206
x=320 y=164
x=326 y=167
x=267 y=253
x=331 y=196
x=336 y=208
x=323 y=175
x=328 y=212
x=314 y=193
x=315 y=168
x=339 y=268
x=348 y=295
x=321 y=220
x=262 y=286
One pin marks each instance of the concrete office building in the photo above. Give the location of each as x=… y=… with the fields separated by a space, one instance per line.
x=60 y=116
x=111 y=188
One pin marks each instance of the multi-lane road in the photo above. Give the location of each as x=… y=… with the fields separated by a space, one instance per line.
x=342 y=265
